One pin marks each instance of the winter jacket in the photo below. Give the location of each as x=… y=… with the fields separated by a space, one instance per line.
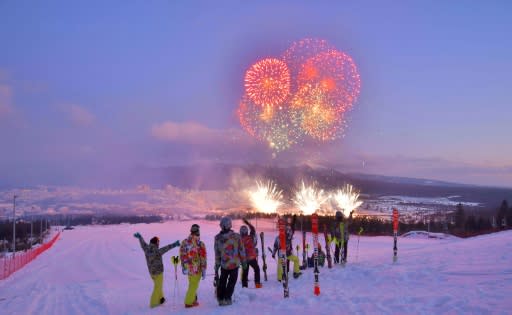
x=251 y=244
x=336 y=231
x=154 y=256
x=229 y=250
x=193 y=255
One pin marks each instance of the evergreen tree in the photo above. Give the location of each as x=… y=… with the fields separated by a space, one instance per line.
x=460 y=217
x=502 y=213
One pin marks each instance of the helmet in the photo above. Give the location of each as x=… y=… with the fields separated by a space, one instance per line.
x=339 y=215
x=244 y=230
x=194 y=229
x=225 y=223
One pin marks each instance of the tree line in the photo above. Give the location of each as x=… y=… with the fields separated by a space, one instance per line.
x=460 y=221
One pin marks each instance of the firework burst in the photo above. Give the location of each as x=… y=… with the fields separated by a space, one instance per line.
x=266 y=198
x=299 y=52
x=309 y=199
x=336 y=74
x=318 y=113
x=304 y=96
x=347 y=199
x=267 y=82
x=279 y=131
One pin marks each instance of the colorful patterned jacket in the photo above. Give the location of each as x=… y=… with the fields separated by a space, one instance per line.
x=154 y=256
x=229 y=250
x=193 y=255
x=251 y=244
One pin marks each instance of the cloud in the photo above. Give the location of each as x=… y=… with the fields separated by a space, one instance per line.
x=5 y=100
x=78 y=115
x=195 y=133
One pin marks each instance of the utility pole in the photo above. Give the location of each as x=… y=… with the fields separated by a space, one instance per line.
x=14 y=225
x=31 y=229
x=41 y=230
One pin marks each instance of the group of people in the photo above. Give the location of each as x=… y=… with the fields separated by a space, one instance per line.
x=232 y=250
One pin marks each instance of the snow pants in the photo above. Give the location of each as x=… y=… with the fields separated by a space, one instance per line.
x=157 y=294
x=193 y=284
x=227 y=282
x=296 y=268
x=245 y=272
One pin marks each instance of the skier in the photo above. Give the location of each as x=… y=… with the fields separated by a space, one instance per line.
x=341 y=224
x=250 y=242
x=193 y=264
x=155 y=266
x=290 y=230
x=229 y=254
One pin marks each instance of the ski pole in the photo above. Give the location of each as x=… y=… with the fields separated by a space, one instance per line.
x=358 y=236
x=175 y=260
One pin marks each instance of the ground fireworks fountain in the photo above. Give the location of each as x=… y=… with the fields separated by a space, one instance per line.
x=265 y=197
x=309 y=199
x=347 y=199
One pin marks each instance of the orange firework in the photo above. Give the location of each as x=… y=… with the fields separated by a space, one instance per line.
x=267 y=82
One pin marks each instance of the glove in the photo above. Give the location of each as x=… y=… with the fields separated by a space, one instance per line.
x=185 y=271
x=244 y=265
x=176 y=244
x=273 y=256
x=137 y=235
x=203 y=275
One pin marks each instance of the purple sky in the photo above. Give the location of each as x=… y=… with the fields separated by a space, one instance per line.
x=89 y=88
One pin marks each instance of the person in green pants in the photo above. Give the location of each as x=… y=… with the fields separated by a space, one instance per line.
x=193 y=264
x=155 y=265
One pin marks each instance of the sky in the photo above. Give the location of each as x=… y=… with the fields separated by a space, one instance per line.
x=89 y=89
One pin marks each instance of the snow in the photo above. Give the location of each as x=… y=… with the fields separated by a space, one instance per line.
x=101 y=270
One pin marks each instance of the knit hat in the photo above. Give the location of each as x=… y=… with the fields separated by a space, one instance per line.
x=194 y=229
x=154 y=240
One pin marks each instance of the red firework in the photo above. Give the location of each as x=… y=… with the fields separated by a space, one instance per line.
x=299 y=52
x=336 y=73
x=267 y=82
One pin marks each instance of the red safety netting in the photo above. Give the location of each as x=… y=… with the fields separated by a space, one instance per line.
x=9 y=265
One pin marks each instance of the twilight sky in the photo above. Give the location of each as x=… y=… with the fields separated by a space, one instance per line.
x=91 y=88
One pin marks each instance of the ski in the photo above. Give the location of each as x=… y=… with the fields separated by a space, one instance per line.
x=282 y=241
x=342 y=247
x=263 y=255
x=304 y=251
x=314 y=230
x=395 y=234
x=327 y=247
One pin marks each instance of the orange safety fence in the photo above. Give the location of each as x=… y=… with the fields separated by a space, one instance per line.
x=9 y=265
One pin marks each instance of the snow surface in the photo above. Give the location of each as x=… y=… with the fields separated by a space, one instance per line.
x=102 y=270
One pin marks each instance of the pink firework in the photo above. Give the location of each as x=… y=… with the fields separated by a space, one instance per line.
x=335 y=73
x=299 y=52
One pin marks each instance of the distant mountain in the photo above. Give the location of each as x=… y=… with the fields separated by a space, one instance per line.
x=224 y=176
